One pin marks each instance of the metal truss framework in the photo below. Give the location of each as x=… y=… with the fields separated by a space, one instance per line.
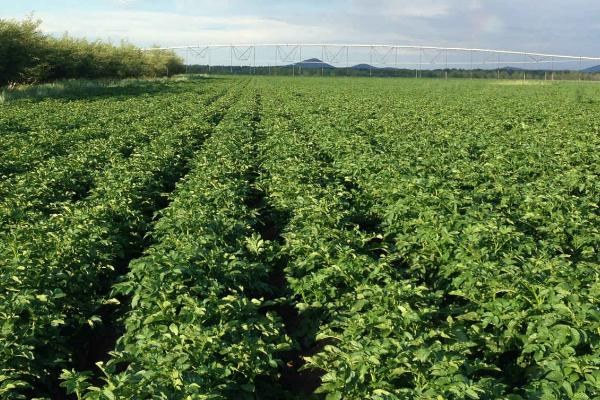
x=381 y=55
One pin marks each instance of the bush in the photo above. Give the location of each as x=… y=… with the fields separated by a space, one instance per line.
x=29 y=56
x=21 y=45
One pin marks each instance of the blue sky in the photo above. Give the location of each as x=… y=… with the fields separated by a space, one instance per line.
x=558 y=26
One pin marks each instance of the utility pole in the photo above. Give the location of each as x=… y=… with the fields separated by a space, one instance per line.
x=471 y=69
x=371 y=61
x=396 y=62
x=347 y=62
x=187 y=53
x=322 y=60
x=498 y=65
x=420 y=62
x=300 y=66
x=446 y=64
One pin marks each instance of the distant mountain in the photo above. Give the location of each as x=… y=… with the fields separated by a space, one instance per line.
x=592 y=69
x=313 y=63
x=363 y=67
x=512 y=69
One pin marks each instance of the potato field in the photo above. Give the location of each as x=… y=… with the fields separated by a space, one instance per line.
x=302 y=238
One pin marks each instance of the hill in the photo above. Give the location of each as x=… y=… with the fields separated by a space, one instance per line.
x=512 y=69
x=592 y=69
x=313 y=63
x=362 y=67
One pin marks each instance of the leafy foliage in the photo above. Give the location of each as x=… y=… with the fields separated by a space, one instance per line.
x=194 y=330
x=454 y=256
x=29 y=56
x=58 y=263
x=386 y=239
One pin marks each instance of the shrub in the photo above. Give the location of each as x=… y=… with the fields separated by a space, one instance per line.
x=29 y=56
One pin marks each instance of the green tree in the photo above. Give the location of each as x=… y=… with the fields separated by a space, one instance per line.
x=28 y=56
x=21 y=47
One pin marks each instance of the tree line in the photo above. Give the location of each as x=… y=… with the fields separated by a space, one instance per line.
x=27 y=55
x=502 y=73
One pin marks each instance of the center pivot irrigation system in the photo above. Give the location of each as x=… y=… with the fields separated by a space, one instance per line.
x=376 y=57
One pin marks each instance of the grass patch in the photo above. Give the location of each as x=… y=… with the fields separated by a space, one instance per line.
x=79 y=88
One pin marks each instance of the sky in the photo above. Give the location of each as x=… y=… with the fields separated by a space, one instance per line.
x=555 y=26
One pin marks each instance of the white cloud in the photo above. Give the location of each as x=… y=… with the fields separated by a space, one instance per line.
x=170 y=29
x=403 y=8
x=545 y=26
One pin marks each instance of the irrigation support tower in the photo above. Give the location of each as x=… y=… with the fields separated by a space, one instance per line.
x=389 y=56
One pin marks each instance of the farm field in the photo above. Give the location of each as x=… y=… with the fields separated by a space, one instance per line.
x=302 y=238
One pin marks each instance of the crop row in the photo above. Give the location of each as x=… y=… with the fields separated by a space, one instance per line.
x=61 y=180
x=493 y=248
x=370 y=240
x=194 y=329
x=31 y=135
x=507 y=233
x=56 y=272
x=337 y=272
